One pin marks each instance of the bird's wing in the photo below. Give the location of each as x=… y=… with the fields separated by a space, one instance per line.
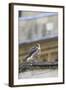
x=32 y=50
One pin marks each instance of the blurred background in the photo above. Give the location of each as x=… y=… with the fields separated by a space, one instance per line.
x=37 y=25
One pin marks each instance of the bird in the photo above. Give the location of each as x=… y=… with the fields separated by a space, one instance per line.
x=34 y=51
